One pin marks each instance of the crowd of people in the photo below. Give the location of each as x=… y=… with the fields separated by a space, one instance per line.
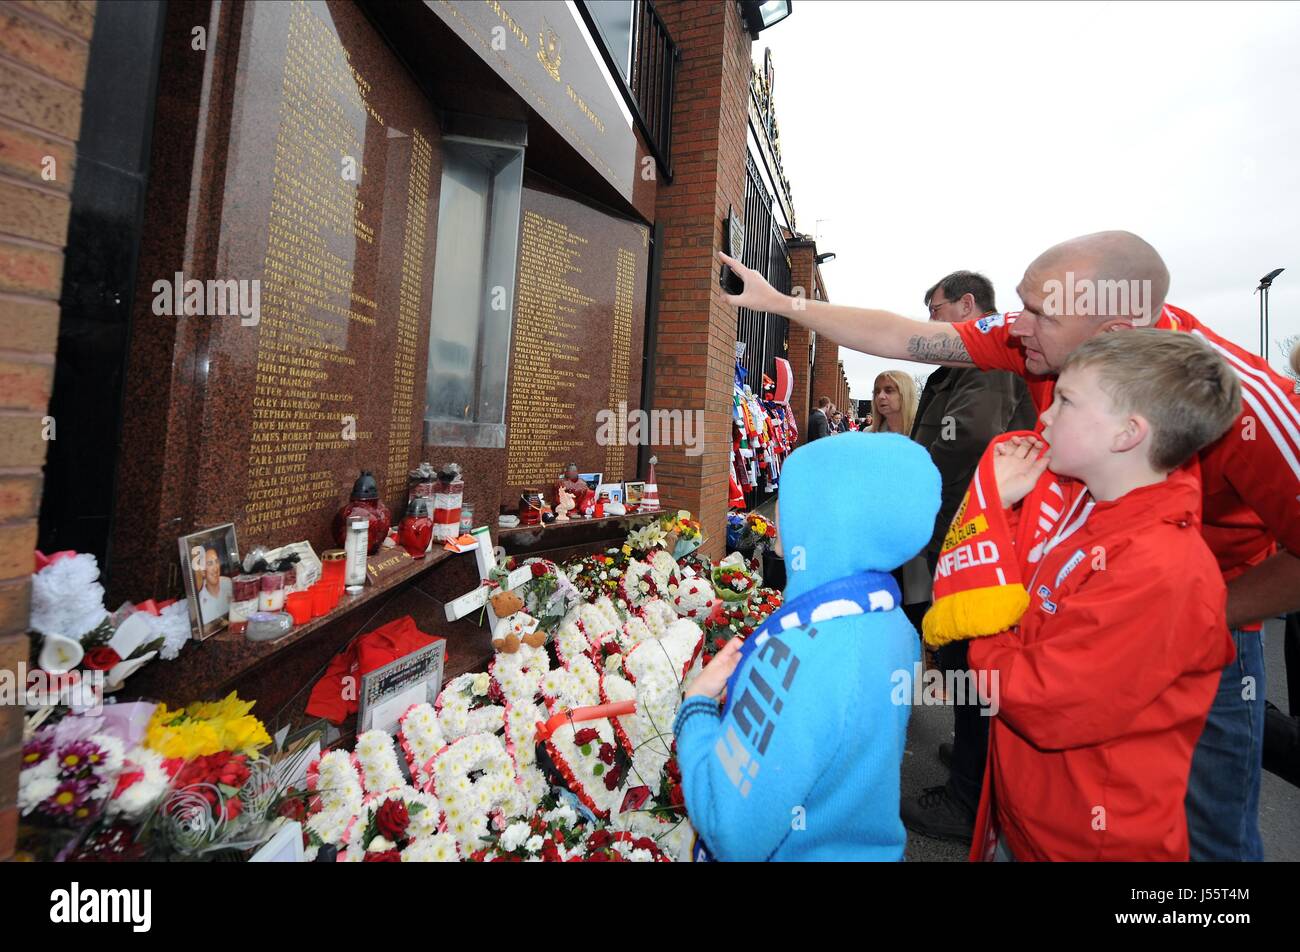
x=1115 y=512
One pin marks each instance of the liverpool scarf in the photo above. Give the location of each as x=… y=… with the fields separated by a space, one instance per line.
x=979 y=581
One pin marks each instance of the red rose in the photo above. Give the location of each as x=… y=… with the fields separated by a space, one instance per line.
x=676 y=798
x=392 y=820
x=387 y=856
x=606 y=753
x=645 y=843
x=231 y=809
x=599 y=840
x=612 y=779
x=598 y=858
x=539 y=570
x=586 y=736
x=293 y=808
x=103 y=658
x=674 y=772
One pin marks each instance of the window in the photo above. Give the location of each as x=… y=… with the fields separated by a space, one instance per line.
x=473 y=292
x=614 y=21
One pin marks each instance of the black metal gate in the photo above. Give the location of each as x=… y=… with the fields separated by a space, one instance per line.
x=766 y=336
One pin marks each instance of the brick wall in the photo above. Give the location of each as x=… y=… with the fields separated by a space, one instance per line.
x=44 y=48
x=695 y=353
x=801 y=276
x=826 y=371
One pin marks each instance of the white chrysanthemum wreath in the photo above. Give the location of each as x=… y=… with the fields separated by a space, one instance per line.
x=457 y=714
x=469 y=805
x=421 y=738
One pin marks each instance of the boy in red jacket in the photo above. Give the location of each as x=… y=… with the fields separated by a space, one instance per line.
x=1103 y=687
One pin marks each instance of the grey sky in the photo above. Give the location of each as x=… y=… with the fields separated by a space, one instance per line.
x=920 y=138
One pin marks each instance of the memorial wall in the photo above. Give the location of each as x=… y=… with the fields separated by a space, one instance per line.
x=318 y=158
x=577 y=345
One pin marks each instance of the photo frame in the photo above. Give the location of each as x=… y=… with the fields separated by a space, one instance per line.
x=209 y=563
x=593 y=480
x=615 y=491
x=387 y=692
x=633 y=494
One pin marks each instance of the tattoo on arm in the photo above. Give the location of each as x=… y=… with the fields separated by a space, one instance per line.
x=944 y=348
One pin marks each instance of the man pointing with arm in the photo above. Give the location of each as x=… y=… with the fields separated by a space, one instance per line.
x=1111 y=282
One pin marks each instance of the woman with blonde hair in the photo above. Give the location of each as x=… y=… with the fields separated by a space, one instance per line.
x=893 y=403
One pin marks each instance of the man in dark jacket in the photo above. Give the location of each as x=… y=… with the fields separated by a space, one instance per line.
x=818 y=423
x=960 y=411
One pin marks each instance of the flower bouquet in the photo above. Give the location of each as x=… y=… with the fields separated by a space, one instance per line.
x=647 y=538
x=683 y=534
x=734 y=580
x=739 y=620
x=600 y=574
x=547 y=596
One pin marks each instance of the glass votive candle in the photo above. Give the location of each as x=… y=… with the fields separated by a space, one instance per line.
x=243 y=600
x=271 y=596
x=466 y=518
x=322 y=599
x=298 y=605
x=333 y=563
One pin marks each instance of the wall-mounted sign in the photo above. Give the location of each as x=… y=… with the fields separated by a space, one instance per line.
x=542 y=52
x=735 y=234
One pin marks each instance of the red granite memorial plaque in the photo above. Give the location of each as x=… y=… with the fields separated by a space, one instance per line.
x=330 y=204
x=575 y=359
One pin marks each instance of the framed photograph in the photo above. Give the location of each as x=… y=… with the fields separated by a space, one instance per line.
x=613 y=492
x=387 y=692
x=633 y=493
x=592 y=480
x=209 y=562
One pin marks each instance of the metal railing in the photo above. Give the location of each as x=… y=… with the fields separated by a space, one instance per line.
x=765 y=335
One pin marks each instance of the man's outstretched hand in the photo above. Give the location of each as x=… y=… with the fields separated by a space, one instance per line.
x=758 y=294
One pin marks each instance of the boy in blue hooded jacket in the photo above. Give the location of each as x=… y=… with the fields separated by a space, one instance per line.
x=802 y=761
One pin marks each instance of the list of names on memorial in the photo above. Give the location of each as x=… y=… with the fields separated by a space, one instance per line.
x=408 y=316
x=547 y=363
x=621 y=353
x=316 y=317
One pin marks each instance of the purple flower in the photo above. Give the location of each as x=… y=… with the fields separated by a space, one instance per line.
x=67 y=798
x=37 y=749
x=80 y=758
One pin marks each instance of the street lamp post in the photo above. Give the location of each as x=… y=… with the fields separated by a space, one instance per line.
x=1265 y=283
